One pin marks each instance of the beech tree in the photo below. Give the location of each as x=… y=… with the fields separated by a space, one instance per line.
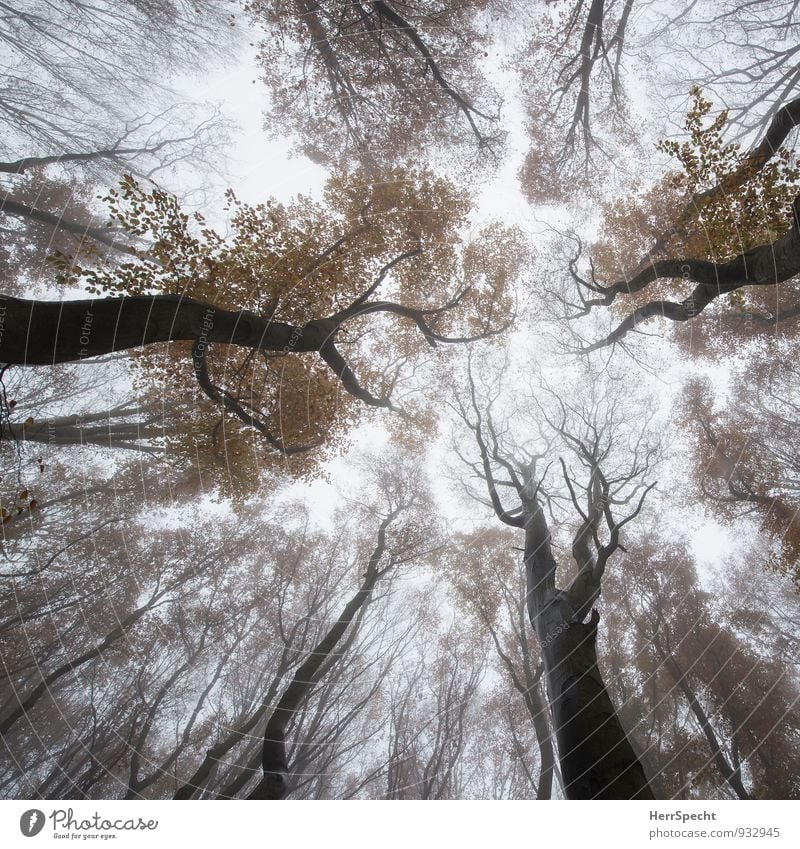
x=501 y=753
x=161 y=643
x=745 y=455
x=742 y=51
x=49 y=207
x=31 y=232
x=208 y=659
x=430 y=721
x=302 y=583
x=125 y=616
x=735 y=233
x=490 y=581
x=376 y=81
x=67 y=706
x=260 y=292
x=71 y=69
x=397 y=542
x=578 y=113
x=703 y=655
x=596 y=758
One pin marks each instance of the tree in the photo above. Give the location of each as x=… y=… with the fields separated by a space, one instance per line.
x=178 y=701
x=744 y=455
x=744 y=53
x=430 y=713
x=576 y=52
x=168 y=585
x=48 y=433
x=500 y=759
x=259 y=292
x=739 y=699
x=251 y=645
x=376 y=81
x=597 y=761
x=400 y=491
x=31 y=232
x=737 y=227
x=490 y=581
x=72 y=69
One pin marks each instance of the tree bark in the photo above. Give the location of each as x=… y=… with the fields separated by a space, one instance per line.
x=48 y=332
x=597 y=760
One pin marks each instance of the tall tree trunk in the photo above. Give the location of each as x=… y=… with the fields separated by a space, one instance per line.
x=537 y=708
x=597 y=760
x=203 y=775
x=732 y=775
x=274 y=784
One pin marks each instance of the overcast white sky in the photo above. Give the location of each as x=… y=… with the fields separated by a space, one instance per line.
x=258 y=168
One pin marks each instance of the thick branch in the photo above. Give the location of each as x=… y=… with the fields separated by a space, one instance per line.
x=48 y=332
x=232 y=405
x=766 y=265
x=339 y=366
x=784 y=121
x=421 y=317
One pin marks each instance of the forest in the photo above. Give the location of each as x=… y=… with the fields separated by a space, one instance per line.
x=397 y=399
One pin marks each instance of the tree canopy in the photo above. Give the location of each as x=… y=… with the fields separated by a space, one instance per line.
x=467 y=471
